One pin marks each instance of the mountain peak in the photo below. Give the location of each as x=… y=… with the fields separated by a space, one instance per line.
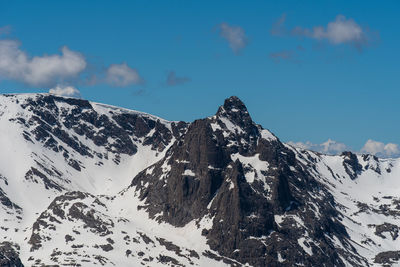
x=233 y=104
x=235 y=110
x=285 y=205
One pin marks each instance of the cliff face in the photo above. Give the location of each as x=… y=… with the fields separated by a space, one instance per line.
x=87 y=184
x=9 y=256
x=240 y=177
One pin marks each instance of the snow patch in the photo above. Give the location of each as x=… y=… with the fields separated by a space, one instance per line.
x=188 y=173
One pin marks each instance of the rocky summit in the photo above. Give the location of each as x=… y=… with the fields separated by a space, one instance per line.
x=87 y=184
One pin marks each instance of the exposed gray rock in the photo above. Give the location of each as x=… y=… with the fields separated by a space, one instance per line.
x=199 y=178
x=9 y=256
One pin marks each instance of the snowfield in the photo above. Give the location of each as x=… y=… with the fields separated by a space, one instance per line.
x=67 y=197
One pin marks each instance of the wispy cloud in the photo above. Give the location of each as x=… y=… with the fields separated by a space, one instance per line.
x=235 y=36
x=340 y=31
x=300 y=48
x=139 y=92
x=278 y=28
x=173 y=80
x=5 y=29
x=283 y=55
x=65 y=91
x=45 y=70
x=122 y=75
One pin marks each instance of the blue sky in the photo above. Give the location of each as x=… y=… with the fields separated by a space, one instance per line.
x=302 y=84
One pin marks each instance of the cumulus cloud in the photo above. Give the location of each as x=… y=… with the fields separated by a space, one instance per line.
x=122 y=75
x=380 y=149
x=173 y=80
x=64 y=68
x=329 y=147
x=332 y=147
x=65 y=91
x=45 y=70
x=235 y=36
x=340 y=31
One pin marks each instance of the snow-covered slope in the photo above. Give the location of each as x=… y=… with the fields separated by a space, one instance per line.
x=86 y=184
x=367 y=193
x=52 y=145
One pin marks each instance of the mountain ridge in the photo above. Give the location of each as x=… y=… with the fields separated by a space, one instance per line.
x=84 y=183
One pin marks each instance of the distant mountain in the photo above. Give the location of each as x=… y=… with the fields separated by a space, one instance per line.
x=87 y=184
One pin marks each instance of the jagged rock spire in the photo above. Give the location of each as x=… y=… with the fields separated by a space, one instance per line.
x=235 y=110
x=232 y=105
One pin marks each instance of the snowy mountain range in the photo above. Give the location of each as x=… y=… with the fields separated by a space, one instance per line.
x=87 y=184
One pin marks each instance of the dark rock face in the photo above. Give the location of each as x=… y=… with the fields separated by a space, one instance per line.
x=6 y=202
x=351 y=164
x=208 y=175
x=375 y=166
x=388 y=258
x=60 y=123
x=68 y=206
x=255 y=199
x=391 y=229
x=33 y=174
x=9 y=256
x=197 y=152
x=236 y=111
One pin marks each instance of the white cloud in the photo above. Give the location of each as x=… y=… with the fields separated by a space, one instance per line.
x=340 y=31
x=51 y=70
x=122 y=75
x=392 y=150
x=334 y=148
x=65 y=91
x=380 y=149
x=235 y=36
x=15 y=64
x=329 y=147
